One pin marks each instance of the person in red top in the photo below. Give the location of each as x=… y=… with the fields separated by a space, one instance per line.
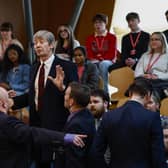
x=101 y=47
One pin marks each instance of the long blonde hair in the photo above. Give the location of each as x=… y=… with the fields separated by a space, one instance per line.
x=163 y=41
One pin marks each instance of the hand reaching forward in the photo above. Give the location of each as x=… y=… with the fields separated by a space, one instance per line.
x=78 y=140
x=58 y=81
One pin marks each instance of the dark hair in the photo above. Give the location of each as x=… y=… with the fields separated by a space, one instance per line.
x=132 y=15
x=80 y=93
x=166 y=13
x=101 y=17
x=60 y=41
x=82 y=49
x=7 y=26
x=7 y=64
x=141 y=86
x=102 y=94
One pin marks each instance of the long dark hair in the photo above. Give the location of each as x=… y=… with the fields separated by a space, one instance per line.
x=60 y=40
x=7 y=64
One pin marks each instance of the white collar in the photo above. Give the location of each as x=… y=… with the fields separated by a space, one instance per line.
x=48 y=61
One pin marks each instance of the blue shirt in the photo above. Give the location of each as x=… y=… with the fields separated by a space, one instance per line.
x=18 y=78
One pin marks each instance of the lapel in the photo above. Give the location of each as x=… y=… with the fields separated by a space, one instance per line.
x=84 y=75
x=34 y=70
x=52 y=71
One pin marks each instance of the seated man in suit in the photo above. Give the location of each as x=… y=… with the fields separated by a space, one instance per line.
x=133 y=133
x=17 y=137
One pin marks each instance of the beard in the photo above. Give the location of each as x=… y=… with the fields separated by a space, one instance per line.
x=97 y=113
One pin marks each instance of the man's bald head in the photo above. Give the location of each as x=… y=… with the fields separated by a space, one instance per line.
x=3 y=94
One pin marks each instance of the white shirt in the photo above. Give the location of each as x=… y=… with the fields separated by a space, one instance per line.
x=160 y=68
x=47 y=67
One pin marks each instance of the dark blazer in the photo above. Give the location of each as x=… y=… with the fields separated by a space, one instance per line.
x=16 y=139
x=82 y=123
x=90 y=76
x=53 y=114
x=134 y=136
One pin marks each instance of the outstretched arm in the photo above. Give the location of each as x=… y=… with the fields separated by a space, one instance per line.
x=19 y=132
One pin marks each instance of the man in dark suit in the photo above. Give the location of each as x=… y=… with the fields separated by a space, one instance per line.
x=81 y=121
x=51 y=113
x=46 y=101
x=133 y=133
x=16 y=137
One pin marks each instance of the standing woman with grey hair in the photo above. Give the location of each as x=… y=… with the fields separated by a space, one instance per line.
x=154 y=63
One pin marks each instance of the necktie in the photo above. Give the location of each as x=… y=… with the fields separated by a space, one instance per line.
x=41 y=86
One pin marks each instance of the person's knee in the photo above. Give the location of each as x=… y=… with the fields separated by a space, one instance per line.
x=105 y=64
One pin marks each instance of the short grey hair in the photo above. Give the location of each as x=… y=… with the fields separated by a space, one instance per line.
x=45 y=34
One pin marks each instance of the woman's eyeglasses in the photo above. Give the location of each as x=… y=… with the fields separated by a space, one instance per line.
x=155 y=39
x=64 y=30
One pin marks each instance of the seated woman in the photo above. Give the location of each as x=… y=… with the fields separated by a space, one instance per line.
x=7 y=37
x=87 y=72
x=15 y=70
x=65 y=42
x=154 y=63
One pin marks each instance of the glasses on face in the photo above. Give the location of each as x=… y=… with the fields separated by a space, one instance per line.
x=155 y=39
x=63 y=30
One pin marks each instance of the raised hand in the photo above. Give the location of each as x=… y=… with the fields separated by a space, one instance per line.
x=58 y=81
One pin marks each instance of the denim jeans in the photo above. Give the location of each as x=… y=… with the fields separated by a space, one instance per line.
x=103 y=68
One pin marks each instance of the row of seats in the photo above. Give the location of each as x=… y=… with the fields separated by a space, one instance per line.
x=121 y=78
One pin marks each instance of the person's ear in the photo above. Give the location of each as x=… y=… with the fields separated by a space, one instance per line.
x=71 y=102
x=105 y=104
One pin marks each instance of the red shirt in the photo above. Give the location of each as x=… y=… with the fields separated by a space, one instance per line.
x=102 y=47
x=80 y=72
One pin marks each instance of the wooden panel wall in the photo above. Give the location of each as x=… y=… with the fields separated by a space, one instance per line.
x=91 y=7
x=49 y=14
x=11 y=11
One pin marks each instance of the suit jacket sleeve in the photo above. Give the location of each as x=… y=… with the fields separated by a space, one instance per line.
x=19 y=132
x=21 y=101
x=91 y=76
x=157 y=145
x=99 y=147
x=74 y=154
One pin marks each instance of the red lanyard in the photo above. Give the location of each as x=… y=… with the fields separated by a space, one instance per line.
x=136 y=40
x=150 y=63
x=100 y=47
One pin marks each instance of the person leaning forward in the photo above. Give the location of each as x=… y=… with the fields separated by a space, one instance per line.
x=16 y=137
